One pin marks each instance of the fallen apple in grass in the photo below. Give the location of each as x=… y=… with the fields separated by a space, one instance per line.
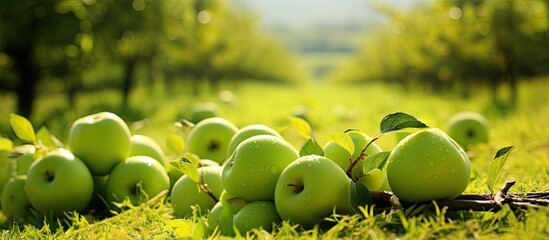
x=258 y=214
x=310 y=189
x=14 y=201
x=252 y=171
x=187 y=194
x=428 y=165
x=59 y=182
x=468 y=128
x=137 y=178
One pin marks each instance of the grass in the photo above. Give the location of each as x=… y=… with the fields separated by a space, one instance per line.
x=329 y=109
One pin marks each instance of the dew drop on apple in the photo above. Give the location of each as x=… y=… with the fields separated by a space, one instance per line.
x=452 y=170
x=434 y=177
x=432 y=164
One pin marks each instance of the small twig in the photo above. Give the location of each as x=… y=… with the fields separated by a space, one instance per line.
x=474 y=202
x=501 y=195
x=204 y=187
x=361 y=155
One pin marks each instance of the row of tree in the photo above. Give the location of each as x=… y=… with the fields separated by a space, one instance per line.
x=457 y=45
x=69 y=41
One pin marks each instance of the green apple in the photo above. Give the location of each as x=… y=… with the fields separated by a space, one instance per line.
x=14 y=201
x=186 y=194
x=373 y=180
x=428 y=165
x=247 y=132
x=24 y=158
x=101 y=140
x=209 y=139
x=310 y=189
x=338 y=154
x=220 y=218
x=233 y=202
x=360 y=140
x=138 y=178
x=258 y=214
x=146 y=146
x=343 y=158
x=252 y=171
x=59 y=182
x=201 y=111
x=207 y=162
x=468 y=128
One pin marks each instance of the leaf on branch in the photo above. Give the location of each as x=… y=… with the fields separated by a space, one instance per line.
x=23 y=128
x=311 y=147
x=302 y=126
x=376 y=160
x=360 y=196
x=343 y=139
x=187 y=168
x=175 y=143
x=497 y=164
x=399 y=120
x=6 y=144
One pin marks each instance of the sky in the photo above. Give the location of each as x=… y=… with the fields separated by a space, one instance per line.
x=314 y=12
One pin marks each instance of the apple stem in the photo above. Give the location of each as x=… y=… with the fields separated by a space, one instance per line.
x=296 y=188
x=361 y=155
x=204 y=187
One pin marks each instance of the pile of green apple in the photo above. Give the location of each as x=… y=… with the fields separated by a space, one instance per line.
x=103 y=163
x=238 y=179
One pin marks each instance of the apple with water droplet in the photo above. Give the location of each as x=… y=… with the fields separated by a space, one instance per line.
x=428 y=165
x=252 y=171
x=247 y=132
x=258 y=214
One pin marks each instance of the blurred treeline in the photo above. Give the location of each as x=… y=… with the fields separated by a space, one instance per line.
x=457 y=46
x=74 y=46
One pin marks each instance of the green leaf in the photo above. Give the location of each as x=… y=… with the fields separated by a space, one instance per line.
x=496 y=166
x=376 y=160
x=311 y=147
x=22 y=128
x=360 y=196
x=399 y=120
x=343 y=139
x=175 y=143
x=187 y=168
x=6 y=144
x=302 y=126
x=44 y=137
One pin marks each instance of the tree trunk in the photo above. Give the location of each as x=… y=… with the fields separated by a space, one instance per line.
x=27 y=70
x=129 y=70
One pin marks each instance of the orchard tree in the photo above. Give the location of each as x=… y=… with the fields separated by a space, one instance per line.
x=42 y=40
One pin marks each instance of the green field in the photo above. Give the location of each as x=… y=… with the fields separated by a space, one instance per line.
x=329 y=108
